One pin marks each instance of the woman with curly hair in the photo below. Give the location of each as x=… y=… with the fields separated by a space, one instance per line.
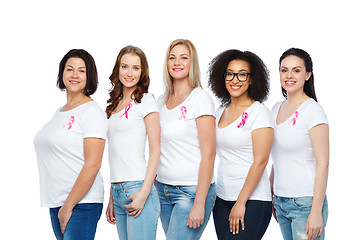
x=244 y=135
x=133 y=113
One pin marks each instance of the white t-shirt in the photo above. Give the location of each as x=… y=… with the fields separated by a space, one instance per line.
x=127 y=140
x=180 y=148
x=234 y=147
x=60 y=152
x=292 y=152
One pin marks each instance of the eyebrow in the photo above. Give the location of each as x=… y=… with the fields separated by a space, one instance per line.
x=293 y=67
x=183 y=54
x=72 y=66
x=138 y=65
x=242 y=70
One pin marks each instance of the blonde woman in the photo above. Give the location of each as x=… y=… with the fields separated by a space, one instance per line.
x=185 y=175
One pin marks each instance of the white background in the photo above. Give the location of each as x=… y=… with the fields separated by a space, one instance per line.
x=35 y=35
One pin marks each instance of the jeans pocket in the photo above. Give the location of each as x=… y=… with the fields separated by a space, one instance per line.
x=188 y=191
x=303 y=203
x=132 y=187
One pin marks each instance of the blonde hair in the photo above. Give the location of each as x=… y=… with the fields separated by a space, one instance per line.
x=194 y=73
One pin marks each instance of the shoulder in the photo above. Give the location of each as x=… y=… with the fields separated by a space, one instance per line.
x=92 y=109
x=200 y=94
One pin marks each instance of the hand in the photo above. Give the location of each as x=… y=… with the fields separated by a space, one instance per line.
x=64 y=216
x=196 y=216
x=138 y=201
x=314 y=225
x=237 y=214
x=110 y=214
x=274 y=212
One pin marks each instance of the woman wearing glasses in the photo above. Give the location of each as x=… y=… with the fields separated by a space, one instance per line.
x=244 y=135
x=300 y=152
x=184 y=181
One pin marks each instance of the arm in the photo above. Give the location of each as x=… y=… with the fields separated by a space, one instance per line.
x=93 y=151
x=206 y=132
x=110 y=214
x=262 y=142
x=152 y=123
x=319 y=136
x=271 y=178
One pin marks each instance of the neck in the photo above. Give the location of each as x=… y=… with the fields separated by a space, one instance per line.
x=75 y=99
x=242 y=101
x=127 y=92
x=297 y=98
x=181 y=87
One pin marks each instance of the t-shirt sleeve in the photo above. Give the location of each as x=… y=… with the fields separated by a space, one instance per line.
x=204 y=105
x=263 y=118
x=316 y=116
x=94 y=123
x=148 y=105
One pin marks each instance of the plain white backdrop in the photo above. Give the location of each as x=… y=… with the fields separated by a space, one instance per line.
x=35 y=35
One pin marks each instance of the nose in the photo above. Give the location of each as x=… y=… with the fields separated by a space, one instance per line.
x=289 y=74
x=177 y=61
x=129 y=72
x=75 y=74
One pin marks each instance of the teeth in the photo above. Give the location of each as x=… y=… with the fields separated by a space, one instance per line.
x=235 y=87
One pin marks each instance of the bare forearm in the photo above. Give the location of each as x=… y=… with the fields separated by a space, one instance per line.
x=204 y=180
x=320 y=187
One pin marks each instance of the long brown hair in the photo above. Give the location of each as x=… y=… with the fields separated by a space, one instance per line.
x=116 y=91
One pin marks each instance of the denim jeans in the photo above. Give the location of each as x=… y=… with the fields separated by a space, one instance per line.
x=142 y=227
x=292 y=214
x=82 y=224
x=257 y=218
x=176 y=203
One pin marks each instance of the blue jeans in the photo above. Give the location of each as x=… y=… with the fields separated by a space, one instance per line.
x=292 y=214
x=142 y=227
x=82 y=224
x=257 y=218
x=176 y=203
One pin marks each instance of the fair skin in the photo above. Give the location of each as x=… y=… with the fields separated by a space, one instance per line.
x=179 y=66
x=293 y=76
x=261 y=138
x=74 y=78
x=129 y=75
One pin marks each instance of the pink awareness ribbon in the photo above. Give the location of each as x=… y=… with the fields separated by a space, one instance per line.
x=70 y=123
x=127 y=108
x=183 y=113
x=244 y=116
x=293 y=121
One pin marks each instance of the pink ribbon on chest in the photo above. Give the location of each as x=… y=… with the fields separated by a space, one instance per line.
x=70 y=123
x=127 y=108
x=244 y=116
x=183 y=113
x=293 y=121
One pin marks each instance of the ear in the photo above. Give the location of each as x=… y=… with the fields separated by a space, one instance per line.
x=308 y=75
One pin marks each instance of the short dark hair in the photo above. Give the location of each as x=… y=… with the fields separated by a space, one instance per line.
x=91 y=72
x=259 y=88
x=309 y=87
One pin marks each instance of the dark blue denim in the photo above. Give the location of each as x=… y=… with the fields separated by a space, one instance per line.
x=82 y=224
x=257 y=219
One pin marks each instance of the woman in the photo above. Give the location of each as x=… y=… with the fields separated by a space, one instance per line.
x=134 y=204
x=69 y=149
x=300 y=151
x=184 y=180
x=244 y=134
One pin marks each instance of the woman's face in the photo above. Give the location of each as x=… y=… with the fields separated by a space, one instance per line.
x=130 y=70
x=293 y=74
x=74 y=75
x=237 y=69
x=179 y=62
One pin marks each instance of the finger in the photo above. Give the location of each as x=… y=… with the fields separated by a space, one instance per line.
x=63 y=227
x=242 y=224
x=237 y=227
x=132 y=212
x=137 y=214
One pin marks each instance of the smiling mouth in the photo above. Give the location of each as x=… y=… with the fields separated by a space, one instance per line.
x=290 y=83
x=74 y=82
x=235 y=87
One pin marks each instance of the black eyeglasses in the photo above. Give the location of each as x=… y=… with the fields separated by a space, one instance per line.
x=241 y=76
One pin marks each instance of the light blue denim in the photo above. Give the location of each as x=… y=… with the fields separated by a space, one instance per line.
x=176 y=203
x=292 y=214
x=142 y=227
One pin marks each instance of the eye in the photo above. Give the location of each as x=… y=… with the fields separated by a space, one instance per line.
x=171 y=58
x=297 y=70
x=242 y=74
x=229 y=74
x=136 y=68
x=82 y=71
x=123 y=66
x=283 y=70
x=184 y=58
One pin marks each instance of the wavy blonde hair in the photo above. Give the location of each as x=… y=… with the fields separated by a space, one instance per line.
x=194 y=74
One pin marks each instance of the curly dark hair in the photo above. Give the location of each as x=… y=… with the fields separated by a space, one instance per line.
x=259 y=88
x=116 y=92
